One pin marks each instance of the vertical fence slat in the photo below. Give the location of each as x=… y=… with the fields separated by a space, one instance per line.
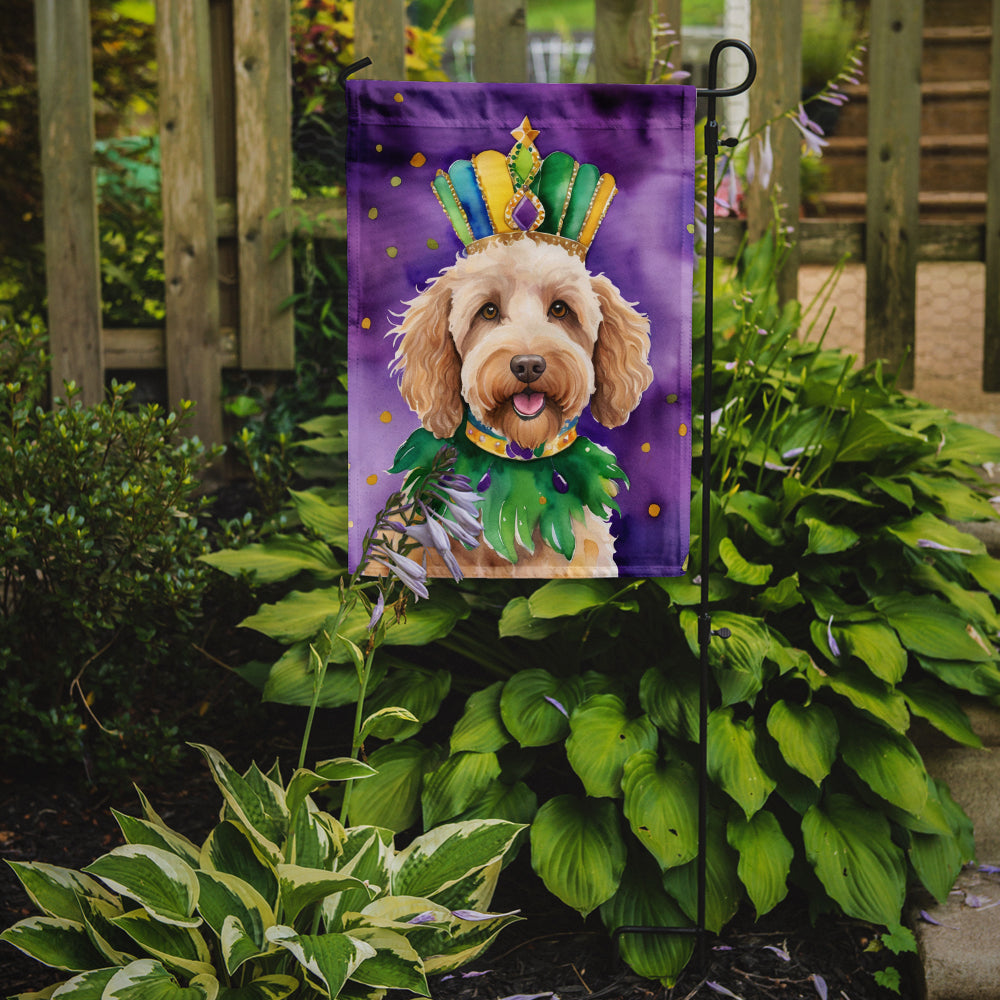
x=190 y=253
x=991 y=332
x=501 y=41
x=261 y=58
x=670 y=12
x=776 y=34
x=893 y=183
x=621 y=40
x=72 y=257
x=380 y=34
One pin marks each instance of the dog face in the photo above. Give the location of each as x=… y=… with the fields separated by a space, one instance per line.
x=527 y=338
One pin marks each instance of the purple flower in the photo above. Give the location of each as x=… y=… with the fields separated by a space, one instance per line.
x=558 y=705
x=820 y=983
x=811 y=132
x=927 y=543
x=377 y=612
x=475 y=915
x=427 y=917
x=719 y=988
x=761 y=163
x=411 y=574
x=834 y=648
x=780 y=952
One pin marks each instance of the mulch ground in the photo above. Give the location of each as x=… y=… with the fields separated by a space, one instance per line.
x=551 y=952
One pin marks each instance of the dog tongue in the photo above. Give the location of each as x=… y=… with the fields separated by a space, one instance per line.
x=528 y=404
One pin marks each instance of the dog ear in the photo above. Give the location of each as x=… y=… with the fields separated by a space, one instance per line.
x=428 y=362
x=621 y=356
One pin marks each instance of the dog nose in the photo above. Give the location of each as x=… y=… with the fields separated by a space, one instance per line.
x=527 y=367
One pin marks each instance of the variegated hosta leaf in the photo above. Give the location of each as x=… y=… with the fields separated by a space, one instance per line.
x=300 y=887
x=395 y=964
x=481 y=727
x=535 y=706
x=850 y=847
x=661 y=805
x=476 y=890
x=367 y=853
x=602 y=737
x=441 y=857
x=578 y=851
x=141 y=831
x=54 y=941
x=304 y=782
x=642 y=902
x=765 y=858
x=329 y=959
x=225 y=897
x=87 y=986
x=149 y=980
x=177 y=947
x=230 y=849
x=256 y=801
x=807 y=736
x=456 y=784
x=116 y=947
x=56 y=891
x=275 y=987
x=732 y=760
x=158 y=880
x=468 y=939
x=315 y=838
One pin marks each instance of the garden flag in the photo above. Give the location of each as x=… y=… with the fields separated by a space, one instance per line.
x=520 y=266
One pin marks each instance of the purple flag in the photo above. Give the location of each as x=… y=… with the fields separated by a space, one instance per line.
x=520 y=265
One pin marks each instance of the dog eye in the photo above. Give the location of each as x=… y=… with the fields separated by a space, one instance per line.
x=489 y=311
x=558 y=309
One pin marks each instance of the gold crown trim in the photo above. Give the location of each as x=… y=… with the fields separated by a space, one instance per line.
x=509 y=239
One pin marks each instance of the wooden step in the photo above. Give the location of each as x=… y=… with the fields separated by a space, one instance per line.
x=945 y=12
x=944 y=104
x=956 y=53
x=957 y=206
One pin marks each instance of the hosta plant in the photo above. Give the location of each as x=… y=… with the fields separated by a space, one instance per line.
x=279 y=900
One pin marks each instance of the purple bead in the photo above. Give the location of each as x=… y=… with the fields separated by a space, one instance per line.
x=559 y=482
x=524 y=214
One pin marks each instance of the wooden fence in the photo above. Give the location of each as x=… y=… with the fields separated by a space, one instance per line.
x=226 y=161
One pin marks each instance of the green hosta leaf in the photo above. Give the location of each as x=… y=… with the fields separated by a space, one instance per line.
x=865 y=692
x=893 y=488
x=807 y=736
x=481 y=728
x=292 y=681
x=783 y=595
x=751 y=574
x=301 y=887
x=957 y=501
x=738 y=661
x=391 y=798
x=515 y=803
x=641 y=901
x=56 y=891
x=327 y=520
x=758 y=511
x=279 y=558
x=876 y=646
x=927 y=528
x=976 y=678
x=54 y=941
x=517 y=620
x=386 y=723
x=456 y=784
x=330 y=959
x=850 y=848
x=141 y=831
x=869 y=436
x=671 y=699
x=723 y=889
x=965 y=443
x=260 y=809
x=937 y=860
x=684 y=592
x=159 y=881
x=732 y=760
x=986 y=571
x=931 y=628
x=147 y=979
x=417 y=690
x=180 y=948
x=888 y=763
x=578 y=851
x=275 y=987
x=941 y=709
x=535 y=706
x=231 y=850
x=661 y=798
x=976 y=605
x=560 y=598
x=765 y=858
x=438 y=859
x=602 y=738
x=828 y=539
x=395 y=964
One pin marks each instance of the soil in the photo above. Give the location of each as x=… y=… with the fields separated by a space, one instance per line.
x=551 y=952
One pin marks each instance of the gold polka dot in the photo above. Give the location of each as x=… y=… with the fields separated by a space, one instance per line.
x=372 y=479
x=378 y=148
x=418 y=160
x=654 y=510
x=682 y=430
x=542 y=500
x=391 y=251
x=372 y=213
x=398 y=98
x=432 y=244
x=366 y=324
x=386 y=417
x=350 y=524
x=645 y=447
x=672 y=398
x=395 y=181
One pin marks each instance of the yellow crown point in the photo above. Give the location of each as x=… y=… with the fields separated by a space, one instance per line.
x=525 y=133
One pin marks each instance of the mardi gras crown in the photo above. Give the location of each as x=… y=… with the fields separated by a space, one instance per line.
x=497 y=197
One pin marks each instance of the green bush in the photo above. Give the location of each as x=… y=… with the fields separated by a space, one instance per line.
x=99 y=542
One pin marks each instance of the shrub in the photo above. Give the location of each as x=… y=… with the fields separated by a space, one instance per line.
x=280 y=899
x=99 y=539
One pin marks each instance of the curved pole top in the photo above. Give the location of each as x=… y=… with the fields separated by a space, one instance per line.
x=713 y=69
